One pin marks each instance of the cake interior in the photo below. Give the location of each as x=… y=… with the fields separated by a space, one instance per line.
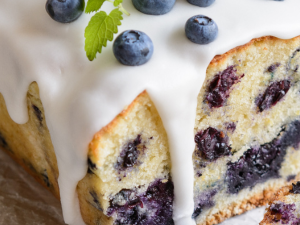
x=247 y=131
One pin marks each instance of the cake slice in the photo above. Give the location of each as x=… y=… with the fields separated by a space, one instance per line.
x=285 y=207
x=247 y=130
x=30 y=144
x=128 y=179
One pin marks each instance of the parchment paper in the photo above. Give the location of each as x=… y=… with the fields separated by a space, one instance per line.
x=23 y=201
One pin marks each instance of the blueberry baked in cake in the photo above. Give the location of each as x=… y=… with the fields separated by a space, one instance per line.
x=247 y=131
x=285 y=207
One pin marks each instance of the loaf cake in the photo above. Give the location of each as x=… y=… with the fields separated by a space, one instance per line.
x=122 y=145
x=285 y=207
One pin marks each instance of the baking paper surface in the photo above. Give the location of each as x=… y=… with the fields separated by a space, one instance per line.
x=23 y=201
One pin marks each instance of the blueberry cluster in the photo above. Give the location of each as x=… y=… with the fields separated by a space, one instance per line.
x=261 y=163
x=155 y=206
x=284 y=213
x=256 y=165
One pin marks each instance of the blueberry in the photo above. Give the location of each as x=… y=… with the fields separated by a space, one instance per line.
x=273 y=94
x=65 y=11
x=220 y=87
x=204 y=201
x=201 y=3
x=263 y=162
x=201 y=29
x=256 y=165
x=154 y=7
x=133 y=48
x=283 y=213
x=212 y=144
x=129 y=154
x=296 y=188
x=273 y=67
x=46 y=178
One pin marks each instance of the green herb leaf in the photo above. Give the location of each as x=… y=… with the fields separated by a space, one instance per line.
x=93 y=5
x=100 y=29
x=117 y=2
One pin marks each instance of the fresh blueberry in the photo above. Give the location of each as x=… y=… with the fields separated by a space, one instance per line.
x=65 y=11
x=133 y=48
x=201 y=3
x=201 y=29
x=154 y=7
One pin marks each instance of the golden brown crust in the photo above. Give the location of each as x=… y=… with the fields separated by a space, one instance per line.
x=256 y=41
x=278 y=196
x=109 y=128
x=90 y=207
x=234 y=209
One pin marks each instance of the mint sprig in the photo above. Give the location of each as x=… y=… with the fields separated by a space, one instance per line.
x=93 y=5
x=101 y=27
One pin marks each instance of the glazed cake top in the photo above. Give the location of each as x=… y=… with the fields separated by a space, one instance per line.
x=80 y=96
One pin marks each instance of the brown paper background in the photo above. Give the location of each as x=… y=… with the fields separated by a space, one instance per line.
x=23 y=201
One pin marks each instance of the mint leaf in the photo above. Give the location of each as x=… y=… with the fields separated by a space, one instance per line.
x=93 y=5
x=100 y=29
x=117 y=2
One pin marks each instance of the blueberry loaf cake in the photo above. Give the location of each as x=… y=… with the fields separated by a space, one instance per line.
x=247 y=130
x=128 y=179
x=285 y=207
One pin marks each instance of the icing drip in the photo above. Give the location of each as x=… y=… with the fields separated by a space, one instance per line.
x=80 y=97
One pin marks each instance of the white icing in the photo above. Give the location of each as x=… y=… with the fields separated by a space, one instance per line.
x=80 y=97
